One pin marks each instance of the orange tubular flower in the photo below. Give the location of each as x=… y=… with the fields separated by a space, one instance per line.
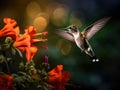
x=6 y=82
x=58 y=78
x=9 y=29
x=24 y=43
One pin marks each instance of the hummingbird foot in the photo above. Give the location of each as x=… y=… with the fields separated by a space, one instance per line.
x=88 y=49
x=95 y=60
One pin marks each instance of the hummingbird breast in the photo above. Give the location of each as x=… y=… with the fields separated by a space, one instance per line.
x=79 y=40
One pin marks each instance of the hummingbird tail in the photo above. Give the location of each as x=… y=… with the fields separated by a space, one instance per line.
x=95 y=59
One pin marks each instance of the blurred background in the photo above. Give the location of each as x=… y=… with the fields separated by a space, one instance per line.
x=48 y=15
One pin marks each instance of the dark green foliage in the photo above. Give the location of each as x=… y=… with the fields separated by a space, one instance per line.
x=28 y=76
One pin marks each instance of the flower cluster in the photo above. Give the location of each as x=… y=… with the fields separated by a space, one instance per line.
x=27 y=75
x=58 y=78
x=6 y=82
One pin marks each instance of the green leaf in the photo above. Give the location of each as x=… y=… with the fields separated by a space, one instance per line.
x=21 y=65
x=22 y=73
x=19 y=52
x=13 y=51
x=45 y=88
x=14 y=75
x=1 y=73
x=2 y=58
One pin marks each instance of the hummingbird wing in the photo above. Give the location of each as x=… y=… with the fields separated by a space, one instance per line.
x=65 y=35
x=94 y=28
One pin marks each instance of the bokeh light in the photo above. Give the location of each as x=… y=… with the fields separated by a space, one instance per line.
x=64 y=46
x=74 y=20
x=33 y=8
x=40 y=23
x=60 y=15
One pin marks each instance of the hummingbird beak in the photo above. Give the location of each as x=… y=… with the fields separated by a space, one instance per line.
x=66 y=30
x=63 y=29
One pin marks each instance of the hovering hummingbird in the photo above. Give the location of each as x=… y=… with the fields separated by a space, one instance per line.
x=81 y=38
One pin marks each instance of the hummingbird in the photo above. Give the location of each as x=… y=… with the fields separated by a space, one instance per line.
x=81 y=38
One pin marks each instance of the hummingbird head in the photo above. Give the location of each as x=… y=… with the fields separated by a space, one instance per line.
x=72 y=29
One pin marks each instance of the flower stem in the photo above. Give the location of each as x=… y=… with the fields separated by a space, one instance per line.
x=7 y=66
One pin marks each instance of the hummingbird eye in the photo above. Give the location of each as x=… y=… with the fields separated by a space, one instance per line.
x=73 y=28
